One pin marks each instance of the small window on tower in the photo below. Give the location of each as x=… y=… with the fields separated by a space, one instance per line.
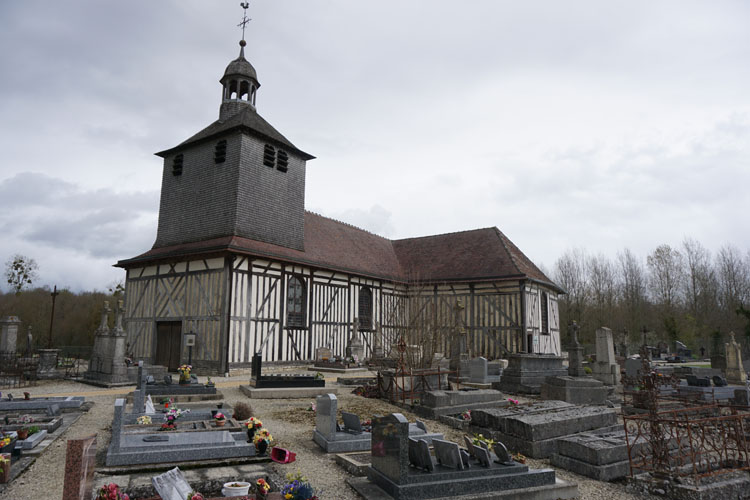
x=220 y=153
x=177 y=165
x=282 y=161
x=269 y=156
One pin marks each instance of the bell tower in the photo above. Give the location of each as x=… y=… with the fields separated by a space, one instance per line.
x=237 y=177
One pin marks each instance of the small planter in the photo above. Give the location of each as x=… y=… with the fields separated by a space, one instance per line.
x=220 y=423
x=23 y=434
x=235 y=489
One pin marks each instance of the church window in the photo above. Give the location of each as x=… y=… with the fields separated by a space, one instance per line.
x=365 y=308
x=269 y=156
x=295 y=302
x=177 y=165
x=545 y=313
x=220 y=153
x=282 y=161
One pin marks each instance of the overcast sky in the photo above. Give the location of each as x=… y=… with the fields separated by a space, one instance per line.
x=566 y=124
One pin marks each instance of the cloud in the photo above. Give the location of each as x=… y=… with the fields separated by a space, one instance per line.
x=48 y=218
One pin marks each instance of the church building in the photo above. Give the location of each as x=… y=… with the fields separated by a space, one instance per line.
x=240 y=263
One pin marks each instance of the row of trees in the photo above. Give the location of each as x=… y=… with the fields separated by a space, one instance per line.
x=77 y=315
x=686 y=294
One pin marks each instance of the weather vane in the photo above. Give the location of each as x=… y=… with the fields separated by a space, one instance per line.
x=245 y=19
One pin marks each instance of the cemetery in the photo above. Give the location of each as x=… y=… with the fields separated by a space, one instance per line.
x=261 y=351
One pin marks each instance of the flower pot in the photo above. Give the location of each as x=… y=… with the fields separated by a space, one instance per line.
x=220 y=423
x=261 y=447
x=282 y=455
x=239 y=489
x=23 y=434
x=5 y=472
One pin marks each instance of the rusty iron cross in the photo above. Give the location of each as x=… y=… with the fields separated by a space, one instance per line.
x=245 y=19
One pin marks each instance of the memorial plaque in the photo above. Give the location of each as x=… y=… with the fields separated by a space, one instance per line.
x=503 y=457
x=469 y=445
x=448 y=454
x=352 y=423
x=171 y=485
x=483 y=455
x=419 y=454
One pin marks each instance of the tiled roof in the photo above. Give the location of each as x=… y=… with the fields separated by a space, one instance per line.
x=476 y=255
x=247 y=119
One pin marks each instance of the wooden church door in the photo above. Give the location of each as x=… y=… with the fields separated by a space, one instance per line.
x=168 y=338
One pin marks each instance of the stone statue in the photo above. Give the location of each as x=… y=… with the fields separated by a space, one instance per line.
x=574 y=330
x=103 y=327
x=119 y=313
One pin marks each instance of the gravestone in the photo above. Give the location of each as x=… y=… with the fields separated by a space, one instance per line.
x=482 y=454
x=478 y=370
x=735 y=371
x=9 y=333
x=171 y=485
x=377 y=338
x=355 y=348
x=633 y=368
x=419 y=454
x=719 y=361
x=352 y=437
x=606 y=369
x=503 y=457
x=448 y=454
x=53 y=410
x=80 y=460
x=719 y=381
x=107 y=364
x=575 y=354
x=454 y=474
x=323 y=354
x=526 y=372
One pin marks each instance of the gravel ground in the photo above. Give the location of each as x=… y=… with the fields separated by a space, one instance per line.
x=290 y=423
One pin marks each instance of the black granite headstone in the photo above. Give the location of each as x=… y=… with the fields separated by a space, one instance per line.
x=390 y=447
x=719 y=381
x=256 y=366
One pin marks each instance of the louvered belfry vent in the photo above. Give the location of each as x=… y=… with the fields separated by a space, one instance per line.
x=282 y=161
x=220 y=153
x=269 y=156
x=177 y=165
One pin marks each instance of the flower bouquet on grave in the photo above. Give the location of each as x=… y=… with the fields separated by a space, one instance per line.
x=298 y=488
x=170 y=419
x=110 y=492
x=209 y=382
x=312 y=406
x=252 y=424
x=220 y=419
x=184 y=373
x=261 y=489
x=143 y=420
x=513 y=402
x=27 y=419
x=518 y=457
x=262 y=441
x=26 y=396
x=194 y=495
x=7 y=443
x=167 y=402
x=478 y=439
x=4 y=468
x=466 y=416
x=366 y=425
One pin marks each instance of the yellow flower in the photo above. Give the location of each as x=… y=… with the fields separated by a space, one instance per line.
x=288 y=496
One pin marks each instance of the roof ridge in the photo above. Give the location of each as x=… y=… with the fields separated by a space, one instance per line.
x=501 y=236
x=348 y=225
x=445 y=234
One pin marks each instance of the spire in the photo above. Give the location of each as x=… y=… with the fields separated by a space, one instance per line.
x=240 y=81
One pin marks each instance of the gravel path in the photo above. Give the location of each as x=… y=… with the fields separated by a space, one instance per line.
x=290 y=423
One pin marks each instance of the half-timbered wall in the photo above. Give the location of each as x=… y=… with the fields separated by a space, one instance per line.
x=189 y=292
x=544 y=342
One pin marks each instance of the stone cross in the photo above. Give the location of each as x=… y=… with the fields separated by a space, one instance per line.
x=119 y=313
x=103 y=328
x=574 y=330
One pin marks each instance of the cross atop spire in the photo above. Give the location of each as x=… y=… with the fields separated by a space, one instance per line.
x=245 y=19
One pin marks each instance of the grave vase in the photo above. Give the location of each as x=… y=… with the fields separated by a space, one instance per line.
x=250 y=434
x=261 y=447
x=220 y=423
x=5 y=468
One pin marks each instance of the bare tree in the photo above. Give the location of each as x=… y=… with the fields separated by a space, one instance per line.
x=700 y=289
x=570 y=274
x=602 y=278
x=733 y=274
x=20 y=272
x=632 y=291
x=665 y=277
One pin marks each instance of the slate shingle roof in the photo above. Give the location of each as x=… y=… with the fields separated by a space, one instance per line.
x=476 y=255
x=247 y=119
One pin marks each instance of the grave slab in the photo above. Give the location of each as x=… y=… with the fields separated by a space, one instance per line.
x=575 y=390
x=41 y=404
x=437 y=403
x=286 y=392
x=526 y=373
